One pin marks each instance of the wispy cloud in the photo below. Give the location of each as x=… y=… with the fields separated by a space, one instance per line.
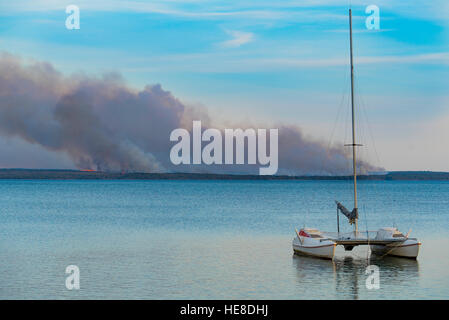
x=239 y=38
x=359 y=30
x=430 y=58
x=201 y=10
x=244 y=64
x=263 y=9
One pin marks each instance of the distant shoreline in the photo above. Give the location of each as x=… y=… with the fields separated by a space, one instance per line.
x=56 y=174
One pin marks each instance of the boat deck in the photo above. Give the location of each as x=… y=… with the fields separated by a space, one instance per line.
x=362 y=238
x=359 y=242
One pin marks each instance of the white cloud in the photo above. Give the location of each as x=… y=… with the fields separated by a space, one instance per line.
x=239 y=38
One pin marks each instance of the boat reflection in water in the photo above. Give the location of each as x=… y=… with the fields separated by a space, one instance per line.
x=346 y=276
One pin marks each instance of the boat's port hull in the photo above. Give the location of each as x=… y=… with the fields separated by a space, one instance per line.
x=407 y=249
x=324 y=250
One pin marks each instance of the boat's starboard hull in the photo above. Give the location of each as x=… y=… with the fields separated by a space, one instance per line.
x=406 y=249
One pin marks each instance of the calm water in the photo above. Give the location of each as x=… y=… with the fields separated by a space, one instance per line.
x=212 y=239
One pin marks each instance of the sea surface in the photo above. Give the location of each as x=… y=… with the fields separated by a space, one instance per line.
x=213 y=239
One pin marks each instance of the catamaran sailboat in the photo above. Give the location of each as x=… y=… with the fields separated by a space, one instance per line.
x=385 y=241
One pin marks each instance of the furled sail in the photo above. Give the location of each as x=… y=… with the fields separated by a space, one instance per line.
x=351 y=215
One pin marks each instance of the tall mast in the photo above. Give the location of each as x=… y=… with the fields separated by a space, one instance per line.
x=354 y=161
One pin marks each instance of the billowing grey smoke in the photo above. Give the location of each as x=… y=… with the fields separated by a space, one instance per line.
x=104 y=125
x=300 y=156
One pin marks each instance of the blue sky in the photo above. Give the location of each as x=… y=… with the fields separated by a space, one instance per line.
x=264 y=61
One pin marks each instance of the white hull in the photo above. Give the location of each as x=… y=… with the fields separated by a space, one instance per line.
x=406 y=249
x=313 y=247
x=388 y=241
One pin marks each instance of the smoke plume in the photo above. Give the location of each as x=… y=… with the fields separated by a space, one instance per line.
x=103 y=124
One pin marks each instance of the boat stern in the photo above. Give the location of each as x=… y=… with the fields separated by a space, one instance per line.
x=409 y=248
